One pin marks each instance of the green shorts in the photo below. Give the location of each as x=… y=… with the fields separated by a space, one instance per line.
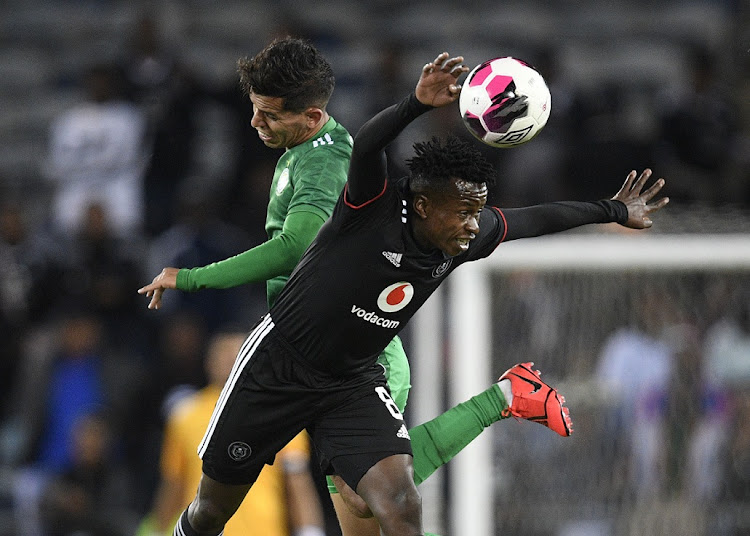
x=398 y=376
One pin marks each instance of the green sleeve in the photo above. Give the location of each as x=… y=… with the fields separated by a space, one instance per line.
x=273 y=258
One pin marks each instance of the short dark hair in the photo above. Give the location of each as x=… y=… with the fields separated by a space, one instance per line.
x=436 y=163
x=289 y=68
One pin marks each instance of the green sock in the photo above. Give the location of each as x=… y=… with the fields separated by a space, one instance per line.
x=436 y=442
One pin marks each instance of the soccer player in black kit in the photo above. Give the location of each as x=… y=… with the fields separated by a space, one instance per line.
x=311 y=361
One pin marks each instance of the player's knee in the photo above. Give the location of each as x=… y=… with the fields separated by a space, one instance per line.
x=404 y=504
x=410 y=502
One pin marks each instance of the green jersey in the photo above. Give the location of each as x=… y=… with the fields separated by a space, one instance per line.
x=308 y=177
x=306 y=185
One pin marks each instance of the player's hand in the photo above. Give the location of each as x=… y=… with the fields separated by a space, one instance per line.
x=354 y=502
x=637 y=203
x=154 y=290
x=437 y=85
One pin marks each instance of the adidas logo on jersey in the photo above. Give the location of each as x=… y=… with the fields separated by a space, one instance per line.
x=395 y=258
x=403 y=433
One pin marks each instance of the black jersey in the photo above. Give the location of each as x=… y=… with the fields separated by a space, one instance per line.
x=364 y=276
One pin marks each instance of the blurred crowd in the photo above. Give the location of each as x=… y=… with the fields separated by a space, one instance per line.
x=89 y=375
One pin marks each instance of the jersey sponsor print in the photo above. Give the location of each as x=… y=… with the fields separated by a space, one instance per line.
x=393 y=298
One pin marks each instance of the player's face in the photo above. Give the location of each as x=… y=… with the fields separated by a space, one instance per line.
x=450 y=220
x=279 y=128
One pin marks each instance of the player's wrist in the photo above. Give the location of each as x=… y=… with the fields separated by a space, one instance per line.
x=182 y=279
x=416 y=103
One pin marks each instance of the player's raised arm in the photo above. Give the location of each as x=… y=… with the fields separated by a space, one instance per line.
x=437 y=86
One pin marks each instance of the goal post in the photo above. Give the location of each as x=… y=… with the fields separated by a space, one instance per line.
x=584 y=268
x=622 y=251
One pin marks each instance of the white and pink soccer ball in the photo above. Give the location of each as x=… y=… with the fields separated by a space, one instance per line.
x=504 y=102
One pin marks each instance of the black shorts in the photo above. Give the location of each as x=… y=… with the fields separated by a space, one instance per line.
x=270 y=397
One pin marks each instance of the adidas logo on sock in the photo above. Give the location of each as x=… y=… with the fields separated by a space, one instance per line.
x=403 y=433
x=395 y=258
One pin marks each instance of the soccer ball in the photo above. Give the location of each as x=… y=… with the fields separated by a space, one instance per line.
x=504 y=102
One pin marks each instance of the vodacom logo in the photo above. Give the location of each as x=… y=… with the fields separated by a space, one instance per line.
x=395 y=297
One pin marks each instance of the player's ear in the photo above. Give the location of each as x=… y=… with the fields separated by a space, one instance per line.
x=421 y=205
x=314 y=115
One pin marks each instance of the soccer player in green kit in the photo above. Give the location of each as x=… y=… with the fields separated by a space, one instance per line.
x=289 y=84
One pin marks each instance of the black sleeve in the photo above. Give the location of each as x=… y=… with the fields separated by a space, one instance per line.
x=555 y=217
x=367 y=170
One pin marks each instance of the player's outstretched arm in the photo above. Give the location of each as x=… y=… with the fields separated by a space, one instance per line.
x=275 y=257
x=639 y=209
x=631 y=210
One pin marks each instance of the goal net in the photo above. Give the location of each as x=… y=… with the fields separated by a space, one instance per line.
x=648 y=338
